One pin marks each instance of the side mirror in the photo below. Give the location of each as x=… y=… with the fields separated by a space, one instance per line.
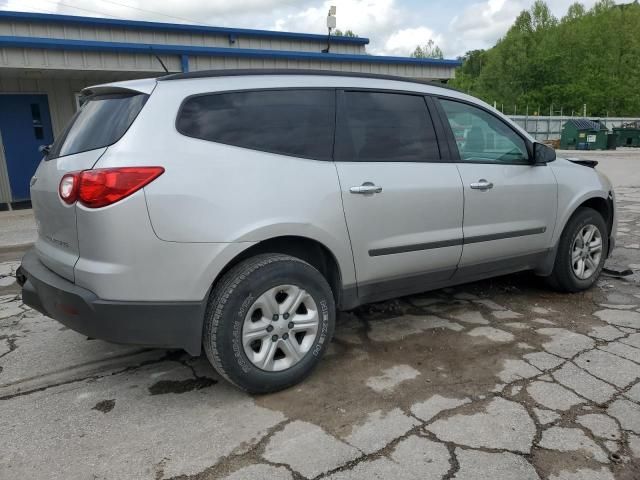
x=543 y=154
x=44 y=149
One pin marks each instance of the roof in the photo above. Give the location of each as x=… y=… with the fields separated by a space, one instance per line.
x=174 y=27
x=584 y=124
x=11 y=41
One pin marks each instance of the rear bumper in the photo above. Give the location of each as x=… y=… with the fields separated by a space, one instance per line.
x=154 y=324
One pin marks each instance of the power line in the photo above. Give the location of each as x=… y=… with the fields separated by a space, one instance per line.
x=84 y=9
x=154 y=12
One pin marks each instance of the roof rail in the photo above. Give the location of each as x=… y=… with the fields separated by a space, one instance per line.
x=286 y=71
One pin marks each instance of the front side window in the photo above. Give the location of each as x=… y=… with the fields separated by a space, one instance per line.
x=385 y=127
x=483 y=138
x=289 y=122
x=101 y=121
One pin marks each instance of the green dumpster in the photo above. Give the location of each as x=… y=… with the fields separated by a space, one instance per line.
x=580 y=133
x=627 y=136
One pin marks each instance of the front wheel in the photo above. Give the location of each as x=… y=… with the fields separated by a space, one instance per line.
x=268 y=322
x=582 y=251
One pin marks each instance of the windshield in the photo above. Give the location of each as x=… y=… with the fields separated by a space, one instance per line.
x=101 y=121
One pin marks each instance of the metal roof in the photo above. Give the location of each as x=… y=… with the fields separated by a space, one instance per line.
x=175 y=27
x=584 y=124
x=148 y=48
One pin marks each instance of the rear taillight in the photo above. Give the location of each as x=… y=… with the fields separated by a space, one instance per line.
x=104 y=186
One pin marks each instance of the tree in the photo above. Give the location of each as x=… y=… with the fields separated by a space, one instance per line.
x=589 y=57
x=430 y=50
x=468 y=73
x=575 y=12
x=347 y=33
x=541 y=16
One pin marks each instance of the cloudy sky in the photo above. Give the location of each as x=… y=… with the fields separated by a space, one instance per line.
x=395 y=27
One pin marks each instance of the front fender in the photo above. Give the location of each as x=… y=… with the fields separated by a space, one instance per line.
x=576 y=185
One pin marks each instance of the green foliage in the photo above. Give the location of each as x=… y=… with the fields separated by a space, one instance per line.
x=347 y=33
x=430 y=50
x=588 y=56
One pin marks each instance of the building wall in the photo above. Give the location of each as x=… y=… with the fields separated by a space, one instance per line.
x=41 y=59
x=5 y=188
x=415 y=71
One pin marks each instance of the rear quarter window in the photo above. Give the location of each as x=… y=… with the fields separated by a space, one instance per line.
x=297 y=123
x=102 y=121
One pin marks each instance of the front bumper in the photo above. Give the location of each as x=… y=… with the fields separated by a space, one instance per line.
x=153 y=324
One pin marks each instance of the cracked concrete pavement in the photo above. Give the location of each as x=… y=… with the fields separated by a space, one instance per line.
x=502 y=379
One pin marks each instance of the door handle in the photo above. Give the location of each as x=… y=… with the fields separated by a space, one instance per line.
x=482 y=184
x=366 y=188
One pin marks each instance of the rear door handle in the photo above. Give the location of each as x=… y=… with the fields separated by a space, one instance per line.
x=366 y=188
x=482 y=184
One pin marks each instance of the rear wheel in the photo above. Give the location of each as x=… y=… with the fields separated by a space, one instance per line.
x=581 y=252
x=268 y=322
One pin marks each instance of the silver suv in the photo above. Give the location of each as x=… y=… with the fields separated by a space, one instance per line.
x=239 y=209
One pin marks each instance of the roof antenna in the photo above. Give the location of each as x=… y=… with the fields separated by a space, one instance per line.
x=166 y=70
x=331 y=24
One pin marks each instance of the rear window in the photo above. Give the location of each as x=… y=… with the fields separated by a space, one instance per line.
x=289 y=122
x=385 y=127
x=101 y=121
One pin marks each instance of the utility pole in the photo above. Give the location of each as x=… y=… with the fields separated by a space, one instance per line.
x=584 y=110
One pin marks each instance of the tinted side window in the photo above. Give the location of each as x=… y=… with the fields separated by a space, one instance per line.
x=483 y=138
x=290 y=122
x=385 y=127
x=101 y=121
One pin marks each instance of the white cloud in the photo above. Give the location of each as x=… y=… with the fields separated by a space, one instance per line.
x=376 y=19
x=215 y=12
x=403 y=42
x=481 y=24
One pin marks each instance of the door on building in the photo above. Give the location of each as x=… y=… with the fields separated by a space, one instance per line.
x=25 y=124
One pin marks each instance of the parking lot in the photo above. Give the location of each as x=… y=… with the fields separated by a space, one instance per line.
x=501 y=379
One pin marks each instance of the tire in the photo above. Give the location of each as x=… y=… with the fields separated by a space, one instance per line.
x=241 y=304
x=564 y=277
